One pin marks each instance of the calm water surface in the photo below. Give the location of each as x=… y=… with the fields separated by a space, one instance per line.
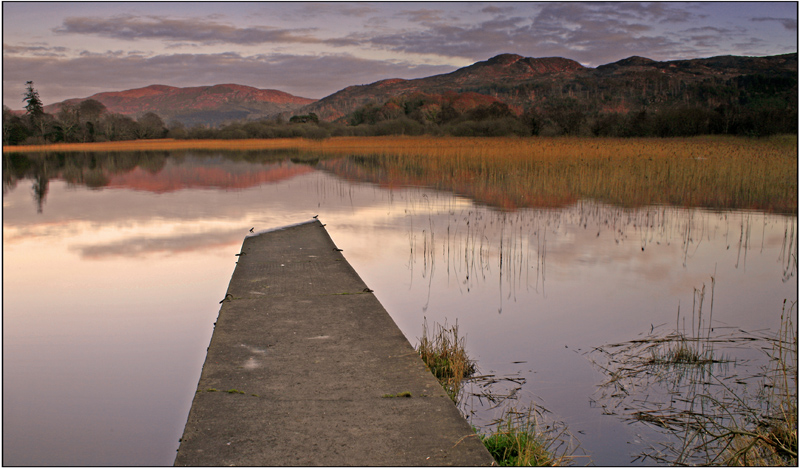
x=112 y=287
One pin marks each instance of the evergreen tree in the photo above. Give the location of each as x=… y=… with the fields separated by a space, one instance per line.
x=35 y=111
x=34 y=108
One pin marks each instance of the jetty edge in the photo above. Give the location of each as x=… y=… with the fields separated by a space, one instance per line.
x=306 y=367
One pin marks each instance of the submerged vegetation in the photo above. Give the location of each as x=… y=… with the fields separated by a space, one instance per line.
x=715 y=410
x=518 y=438
x=679 y=348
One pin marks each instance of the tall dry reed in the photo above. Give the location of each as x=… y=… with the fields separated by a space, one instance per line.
x=711 y=172
x=445 y=355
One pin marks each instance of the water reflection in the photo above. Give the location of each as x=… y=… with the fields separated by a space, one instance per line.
x=475 y=246
x=113 y=275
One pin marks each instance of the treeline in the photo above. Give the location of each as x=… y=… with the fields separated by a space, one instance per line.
x=420 y=114
x=565 y=116
x=86 y=122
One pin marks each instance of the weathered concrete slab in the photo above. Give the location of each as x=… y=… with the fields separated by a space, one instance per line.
x=299 y=366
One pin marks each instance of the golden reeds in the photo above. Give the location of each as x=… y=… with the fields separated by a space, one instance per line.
x=444 y=354
x=711 y=172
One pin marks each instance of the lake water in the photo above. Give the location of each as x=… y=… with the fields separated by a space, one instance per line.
x=113 y=275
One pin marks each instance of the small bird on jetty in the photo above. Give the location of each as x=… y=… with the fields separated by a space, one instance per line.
x=315 y=216
x=226 y=298
x=251 y=229
x=337 y=250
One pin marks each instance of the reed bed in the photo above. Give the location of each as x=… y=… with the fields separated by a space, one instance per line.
x=712 y=172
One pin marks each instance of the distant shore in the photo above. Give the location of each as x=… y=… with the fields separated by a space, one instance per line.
x=163 y=144
x=168 y=144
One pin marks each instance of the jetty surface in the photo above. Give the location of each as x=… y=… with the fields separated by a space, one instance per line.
x=306 y=367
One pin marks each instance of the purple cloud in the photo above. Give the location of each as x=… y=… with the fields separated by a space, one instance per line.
x=193 y=30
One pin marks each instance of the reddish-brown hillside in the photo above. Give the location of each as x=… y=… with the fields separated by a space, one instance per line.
x=508 y=69
x=525 y=83
x=201 y=104
x=511 y=68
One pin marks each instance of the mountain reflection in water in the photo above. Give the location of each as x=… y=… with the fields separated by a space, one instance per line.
x=114 y=266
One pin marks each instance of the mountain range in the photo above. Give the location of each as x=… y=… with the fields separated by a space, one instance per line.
x=521 y=83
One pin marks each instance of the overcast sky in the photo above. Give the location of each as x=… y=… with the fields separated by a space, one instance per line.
x=75 y=49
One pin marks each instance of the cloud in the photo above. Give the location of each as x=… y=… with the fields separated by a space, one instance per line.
x=710 y=37
x=34 y=50
x=192 y=30
x=399 y=41
x=138 y=246
x=787 y=23
x=342 y=70
x=494 y=9
x=654 y=12
x=315 y=10
x=591 y=33
x=423 y=15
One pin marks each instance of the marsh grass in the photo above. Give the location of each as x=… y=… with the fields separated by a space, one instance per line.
x=510 y=173
x=683 y=354
x=716 y=409
x=525 y=438
x=688 y=348
x=515 y=443
x=770 y=438
x=444 y=354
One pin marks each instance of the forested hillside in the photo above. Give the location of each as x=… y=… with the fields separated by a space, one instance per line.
x=505 y=95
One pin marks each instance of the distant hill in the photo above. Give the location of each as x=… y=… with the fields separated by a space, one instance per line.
x=197 y=105
x=553 y=86
x=506 y=70
x=525 y=83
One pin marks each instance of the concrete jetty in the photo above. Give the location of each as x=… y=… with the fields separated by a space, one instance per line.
x=306 y=367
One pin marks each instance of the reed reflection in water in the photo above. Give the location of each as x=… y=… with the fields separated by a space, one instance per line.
x=112 y=289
